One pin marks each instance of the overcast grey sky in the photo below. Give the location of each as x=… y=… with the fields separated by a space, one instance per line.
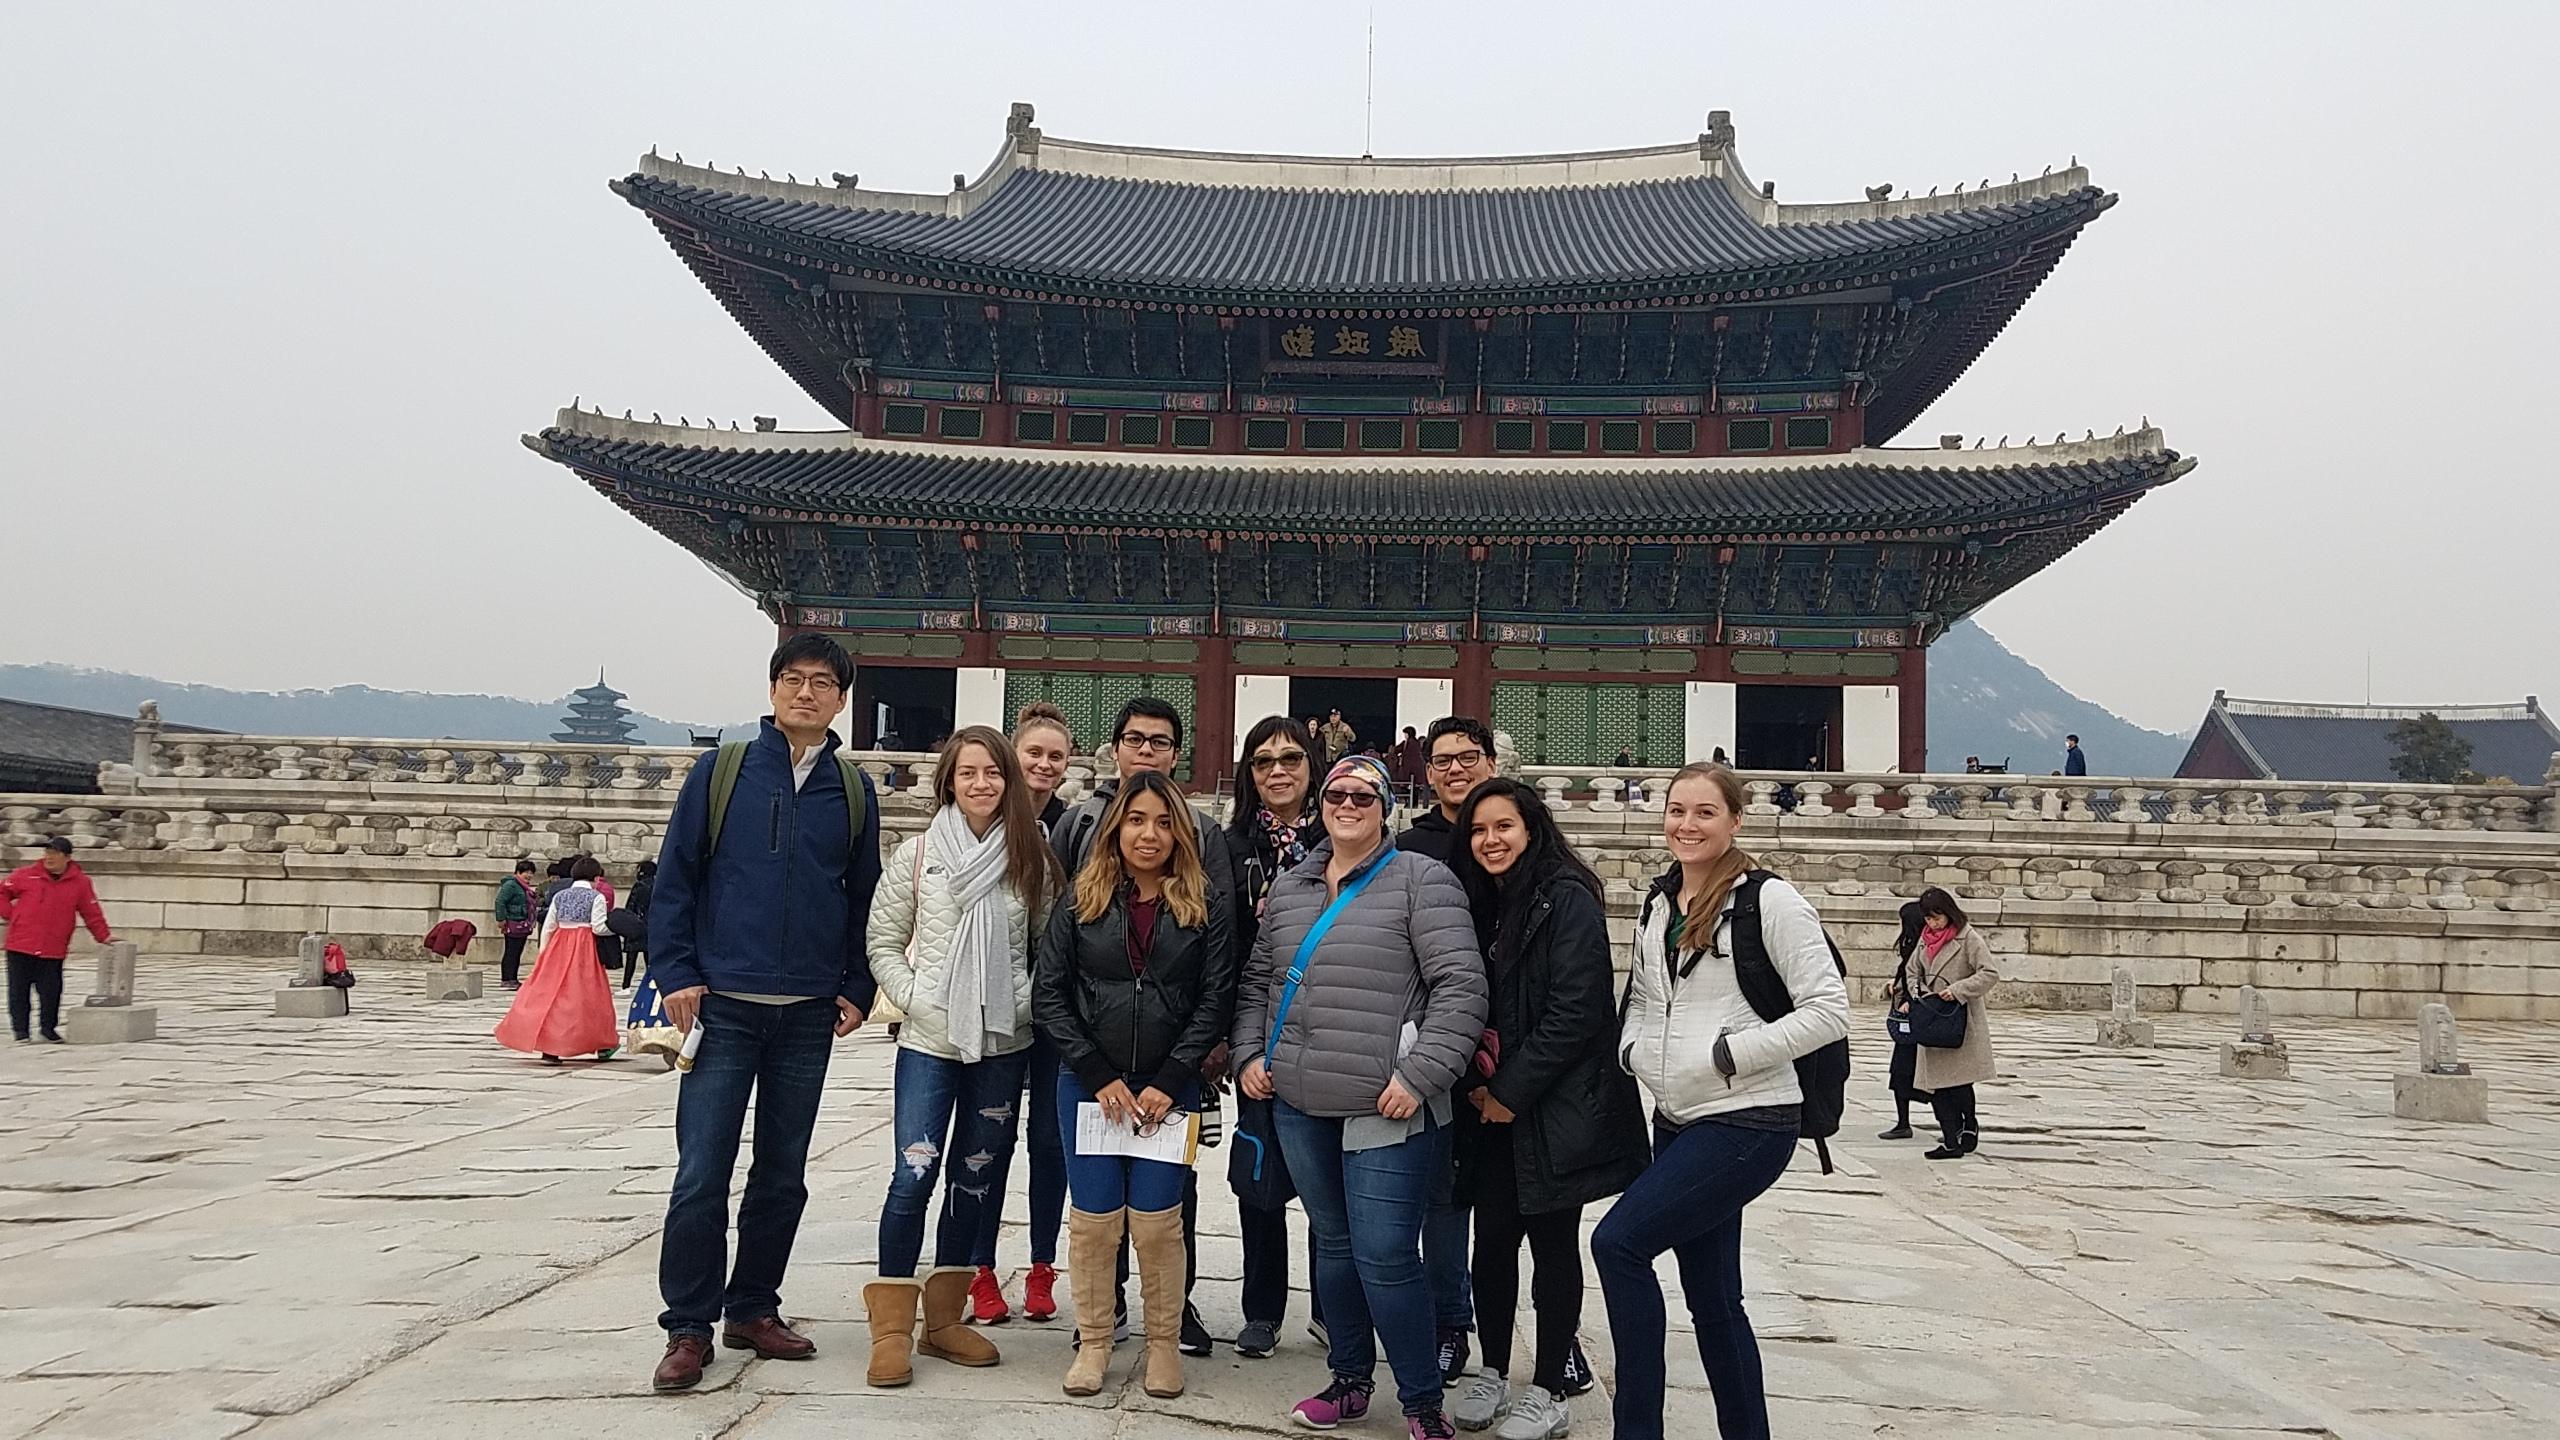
x=286 y=282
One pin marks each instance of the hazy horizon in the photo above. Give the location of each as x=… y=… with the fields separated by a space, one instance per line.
x=292 y=280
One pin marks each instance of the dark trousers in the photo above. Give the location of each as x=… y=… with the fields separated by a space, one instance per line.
x=1266 y=1265
x=511 y=964
x=33 y=976
x=1048 y=1165
x=1956 y=1118
x=1555 y=1247
x=1690 y=1203
x=778 y=1054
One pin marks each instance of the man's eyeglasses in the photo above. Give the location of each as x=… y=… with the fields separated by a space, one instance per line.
x=818 y=685
x=1457 y=760
x=1150 y=744
x=1356 y=799
x=1265 y=764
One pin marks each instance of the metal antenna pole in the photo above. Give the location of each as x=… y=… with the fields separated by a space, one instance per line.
x=1369 y=97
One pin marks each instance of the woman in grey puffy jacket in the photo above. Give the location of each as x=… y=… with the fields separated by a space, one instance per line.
x=1360 y=1006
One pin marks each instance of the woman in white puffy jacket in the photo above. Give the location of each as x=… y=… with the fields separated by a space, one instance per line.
x=1725 y=1099
x=950 y=944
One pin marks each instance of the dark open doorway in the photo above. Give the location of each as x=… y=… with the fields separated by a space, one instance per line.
x=903 y=708
x=1367 y=706
x=1786 y=727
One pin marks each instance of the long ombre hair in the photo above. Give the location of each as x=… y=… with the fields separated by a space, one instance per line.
x=1028 y=866
x=1698 y=925
x=1186 y=888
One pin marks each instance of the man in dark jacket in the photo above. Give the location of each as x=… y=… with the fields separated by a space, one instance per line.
x=759 y=940
x=1459 y=753
x=2075 y=761
x=42 y=904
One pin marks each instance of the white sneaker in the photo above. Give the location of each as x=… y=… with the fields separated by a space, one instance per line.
x=1536 y=1415
x=1486 y=1398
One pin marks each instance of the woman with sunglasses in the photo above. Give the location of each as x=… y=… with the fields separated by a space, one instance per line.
x=1134 y=986
x=1359 y=1008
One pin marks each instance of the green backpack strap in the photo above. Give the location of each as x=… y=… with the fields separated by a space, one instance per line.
x=724 y=783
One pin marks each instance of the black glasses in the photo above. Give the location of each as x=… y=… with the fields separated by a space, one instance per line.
x=1147 y=1128
x=1151 y=744
x=1265 y=764
x=1456 y=759
x=1356 y=799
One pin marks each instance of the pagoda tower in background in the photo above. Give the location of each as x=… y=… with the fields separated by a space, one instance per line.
x=597 y=716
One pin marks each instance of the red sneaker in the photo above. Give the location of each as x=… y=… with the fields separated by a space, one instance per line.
x=1039 y=1301
x=986 y=1299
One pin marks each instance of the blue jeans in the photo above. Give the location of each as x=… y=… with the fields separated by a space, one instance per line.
x=945 y=1107
x=1690 y=1203
x=1365 y=1209
x=1048 y=1165
x=779 y=1053
x=1103 y=1184
x=1444 y=1244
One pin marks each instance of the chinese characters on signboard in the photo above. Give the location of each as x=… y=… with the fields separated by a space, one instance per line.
x=1305 y=344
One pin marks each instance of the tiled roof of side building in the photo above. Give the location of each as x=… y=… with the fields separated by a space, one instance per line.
x=1864 y=493
x=1075 y=214
x=2352 y=743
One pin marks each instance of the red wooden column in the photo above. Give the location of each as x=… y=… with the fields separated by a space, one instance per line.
x=1913 y=701
x=1474 y=688
x=1213 y=714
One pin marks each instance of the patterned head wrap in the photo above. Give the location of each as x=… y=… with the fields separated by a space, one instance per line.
x=1369 y=770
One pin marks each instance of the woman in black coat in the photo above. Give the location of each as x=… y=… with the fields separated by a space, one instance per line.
x=1552 y=1123
x=1906 y=1056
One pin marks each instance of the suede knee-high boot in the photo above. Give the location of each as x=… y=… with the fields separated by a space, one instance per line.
x=1093 y=1262
x=1157 y=1237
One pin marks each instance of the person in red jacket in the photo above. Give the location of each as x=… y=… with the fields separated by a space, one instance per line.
x=40 y=904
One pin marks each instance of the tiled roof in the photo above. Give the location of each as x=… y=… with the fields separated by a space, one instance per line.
x=1863 y=493
x=2353 y=742
x=1040 y=226
x=44 y=747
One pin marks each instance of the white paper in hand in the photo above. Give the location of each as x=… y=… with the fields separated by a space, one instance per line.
x=1174 y=1144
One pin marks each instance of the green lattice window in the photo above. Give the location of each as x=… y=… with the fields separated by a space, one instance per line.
x=1621 y=437
x=1040 y=426
x=1675 y=437
x=1567 y=723
x=1809 y=432
x=963 y=422
x=1515 y=437
x=1092 y=701
x=1266 y=434
x=1321 y=434
x=1568 y=437
x=1746 y=434
x=1194 y=432
x=1088 y=427
x=1142 y=431
x=1440 y=435
x=1381 y=434
x=902 y=420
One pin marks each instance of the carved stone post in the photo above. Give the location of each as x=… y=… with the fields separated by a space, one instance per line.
x=2442 y=1087
x=306 y=997
x=2257 y=1054
x=109 y=1016
x=2123 y=1028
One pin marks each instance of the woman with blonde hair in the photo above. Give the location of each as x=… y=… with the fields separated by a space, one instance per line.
x=949 y=943
x=1134 y=987
x=1726 y=1100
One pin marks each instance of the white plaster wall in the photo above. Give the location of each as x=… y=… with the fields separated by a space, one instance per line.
x=1711 y=711
x=978 y=697
x=1419 y=702
x=1871 y=728
x=1256 y=697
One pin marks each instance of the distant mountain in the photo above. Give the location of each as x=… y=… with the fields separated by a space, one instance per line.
x=346 y=710
x=1985 y=701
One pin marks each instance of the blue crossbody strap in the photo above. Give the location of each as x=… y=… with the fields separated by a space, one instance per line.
x=1315 y=936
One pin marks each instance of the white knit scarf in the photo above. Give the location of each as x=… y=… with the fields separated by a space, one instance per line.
x=977 y=976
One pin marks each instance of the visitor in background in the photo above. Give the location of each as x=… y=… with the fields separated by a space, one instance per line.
x=1042 y=743
x=1551 y=1123
x=1407 y=764
x=518 y=911
x=950 y=942
x=1134 y=987
x=556 y=880
x=1716 y=756
x=635 y=940
x=1361 y=1005
x=1726 y=1103
x=1954 y=963
x=1338 y=736
x=1147 y=736
x=608 y=940
x=1897 y=998
x=1321 y=754
x=567 y=1008
x=1274 y=826
x=2075 y=761
x=42 y=904
x=771 y=1002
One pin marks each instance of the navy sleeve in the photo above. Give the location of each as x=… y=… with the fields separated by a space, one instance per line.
x=861 y=879
x=675 y=956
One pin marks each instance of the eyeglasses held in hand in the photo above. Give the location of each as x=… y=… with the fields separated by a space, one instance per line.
x=1151 y=744
x=1356 y=799
x=1147 y=1129
x=1455 y=759
x=1265 y=764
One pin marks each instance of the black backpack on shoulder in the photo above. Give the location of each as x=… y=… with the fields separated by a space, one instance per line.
x=1823 y=1076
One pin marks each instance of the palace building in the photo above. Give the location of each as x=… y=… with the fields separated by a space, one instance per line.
x=1596 y=445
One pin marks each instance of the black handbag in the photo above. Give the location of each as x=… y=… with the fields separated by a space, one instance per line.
x=1255 y=1170
x=1934 y=1024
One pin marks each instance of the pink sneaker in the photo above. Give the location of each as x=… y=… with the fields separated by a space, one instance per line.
x=1342 y=1400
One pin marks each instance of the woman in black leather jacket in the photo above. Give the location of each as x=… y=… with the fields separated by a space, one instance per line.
x=1134 y=985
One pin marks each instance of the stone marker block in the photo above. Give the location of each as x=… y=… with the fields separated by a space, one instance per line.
x=453 y=982
x=319 y=1002
x=2118 y=1034
x=110 y=1024
x=2462 y=1099
x=2256 y=1060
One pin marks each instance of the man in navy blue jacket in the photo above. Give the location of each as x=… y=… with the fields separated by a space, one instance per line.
x=759 y=941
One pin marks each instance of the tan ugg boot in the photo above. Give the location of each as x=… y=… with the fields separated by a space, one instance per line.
x=947 y=1335
x=1157 y=1237
x=1093 y=1264
x=892 y=1308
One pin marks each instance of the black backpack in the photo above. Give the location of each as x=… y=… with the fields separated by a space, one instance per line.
x=1823 y=1076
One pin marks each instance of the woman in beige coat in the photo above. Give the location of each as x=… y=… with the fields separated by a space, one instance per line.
x=1953 y=962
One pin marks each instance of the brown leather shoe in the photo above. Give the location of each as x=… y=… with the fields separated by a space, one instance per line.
x=770 y=1337
x=682 y=1367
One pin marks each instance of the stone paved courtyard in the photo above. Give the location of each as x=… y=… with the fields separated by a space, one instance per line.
x=386 y=1225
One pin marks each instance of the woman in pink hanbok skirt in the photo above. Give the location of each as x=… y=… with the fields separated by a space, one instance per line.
x=566 y=1007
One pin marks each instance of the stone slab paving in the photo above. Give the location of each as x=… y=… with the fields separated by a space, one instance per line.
x=385 y=1225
